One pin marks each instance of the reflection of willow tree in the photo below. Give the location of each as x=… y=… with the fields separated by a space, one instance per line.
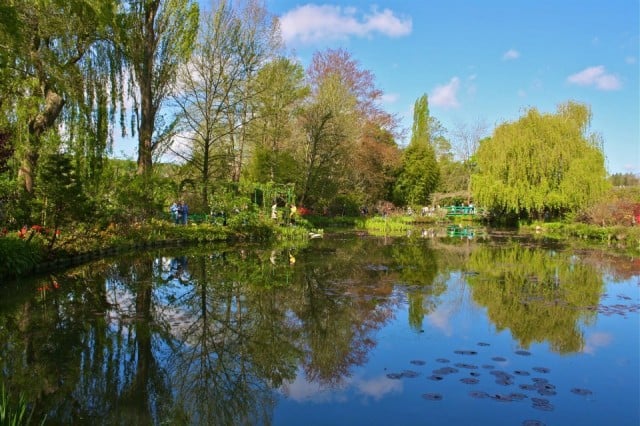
x=233 y=343
x=535 y=293
x=35 y=336
x=79 y=366
x=337 y=326
x=418 y=269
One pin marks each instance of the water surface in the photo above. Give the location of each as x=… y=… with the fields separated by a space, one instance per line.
x=348 y=329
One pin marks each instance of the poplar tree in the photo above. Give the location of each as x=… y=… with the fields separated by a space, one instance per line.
x=420 y=173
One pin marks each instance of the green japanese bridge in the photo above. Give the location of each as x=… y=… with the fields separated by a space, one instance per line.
x=461 y=210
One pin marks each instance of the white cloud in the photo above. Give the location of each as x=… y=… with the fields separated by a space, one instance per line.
x=379 y=387
x=597 y=340
x=631 y=60
x=596 y=76
x=312 y=23
x=446 y=96
x=510 y=55
x=441 y=319
x=390 y=98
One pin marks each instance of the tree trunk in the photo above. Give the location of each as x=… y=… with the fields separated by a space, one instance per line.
x=145 y=80
x=53 y=105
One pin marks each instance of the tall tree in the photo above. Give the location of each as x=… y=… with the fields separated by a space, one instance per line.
x=156 y=37
x=328 y=127
x=280 y=92
x=260 y=40
x=542 y=163
x=375 y=164
x=420 y=173
x=204 y=93
x=52 y=61
x=466 y=141
x=366 y=122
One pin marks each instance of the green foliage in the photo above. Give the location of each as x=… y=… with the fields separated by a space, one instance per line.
x=280 y=91
x=156 y=38
x=13 y=414
x=618 y=237
x=344 y=205
x=388 y=225
x=541 y=163
x=130 y=197
x=61 y=192
x=420 y=174
x=248 y=222
x=520 y=288
x=624 y=179
x=18 y=256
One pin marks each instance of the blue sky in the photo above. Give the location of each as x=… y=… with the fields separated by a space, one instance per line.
x=488 y=61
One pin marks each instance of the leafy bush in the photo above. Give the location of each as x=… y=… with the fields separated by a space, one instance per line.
x=18 y=256
x=621 y=206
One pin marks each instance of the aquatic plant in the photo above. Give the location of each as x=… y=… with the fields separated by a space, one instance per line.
x=13 y=413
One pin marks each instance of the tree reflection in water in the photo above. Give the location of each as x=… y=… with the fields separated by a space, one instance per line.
x=213 y=335
x=538 y=295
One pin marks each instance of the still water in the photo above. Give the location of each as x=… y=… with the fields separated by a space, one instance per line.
x=349 y=329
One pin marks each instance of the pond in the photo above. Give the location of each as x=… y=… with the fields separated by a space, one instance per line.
x=349 y=329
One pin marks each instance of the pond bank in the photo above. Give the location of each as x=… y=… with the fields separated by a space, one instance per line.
x=24 y=256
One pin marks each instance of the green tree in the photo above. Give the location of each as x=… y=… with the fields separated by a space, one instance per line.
x=420 y=173
x=280 y=92
x=203 y=93
x=541 y=163
x=260 y=41
x=344 y=107
x=54 y=72
x=624 y=179
x=328 y=127
x=61 y=192
x=156 y=37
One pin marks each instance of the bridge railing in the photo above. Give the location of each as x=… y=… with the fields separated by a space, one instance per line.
x=460 y=210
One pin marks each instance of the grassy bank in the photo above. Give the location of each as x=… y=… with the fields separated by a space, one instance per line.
x=24 y=252
x=619 y=237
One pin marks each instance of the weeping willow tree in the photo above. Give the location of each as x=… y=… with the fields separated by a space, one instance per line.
x=57 y=78
x=60 y=88
x=541 y=164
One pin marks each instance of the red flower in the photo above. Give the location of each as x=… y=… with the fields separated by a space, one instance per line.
x=22 y=232
x=304 y=211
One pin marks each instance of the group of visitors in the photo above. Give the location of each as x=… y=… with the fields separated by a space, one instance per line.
x=293 y=212
x=179 y=212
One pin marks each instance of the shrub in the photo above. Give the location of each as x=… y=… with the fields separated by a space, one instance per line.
x=18 y=256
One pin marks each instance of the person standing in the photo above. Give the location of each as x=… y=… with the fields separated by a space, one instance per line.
x=292 y=214
x=185 y=212
x=174 y=212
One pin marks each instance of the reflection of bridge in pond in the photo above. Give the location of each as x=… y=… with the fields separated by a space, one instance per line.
x=462 y=231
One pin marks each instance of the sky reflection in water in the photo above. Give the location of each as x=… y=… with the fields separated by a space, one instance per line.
x=356 y=331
